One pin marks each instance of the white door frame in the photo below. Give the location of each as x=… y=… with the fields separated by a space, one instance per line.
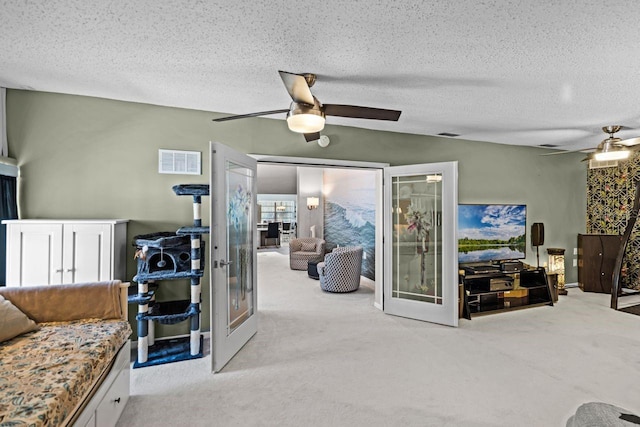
x=446 y=312
x=329 y=163
x=225 y=343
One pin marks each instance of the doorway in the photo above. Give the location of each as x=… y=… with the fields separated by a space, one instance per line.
x=440 y=282
x=338 y=218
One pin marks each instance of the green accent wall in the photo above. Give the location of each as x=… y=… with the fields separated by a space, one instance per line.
x=83 y=157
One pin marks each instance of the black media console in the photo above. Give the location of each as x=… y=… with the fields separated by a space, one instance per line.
x=494 y=288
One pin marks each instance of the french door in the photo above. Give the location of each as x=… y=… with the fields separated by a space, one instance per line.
x=420 y=243
x=233 y=252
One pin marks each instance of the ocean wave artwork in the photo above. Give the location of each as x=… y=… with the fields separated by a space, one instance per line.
x=344 y=227
x=350 y=213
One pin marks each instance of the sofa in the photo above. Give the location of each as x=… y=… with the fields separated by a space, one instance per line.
x=303 y=249
x=64 y=354
x=341 y=269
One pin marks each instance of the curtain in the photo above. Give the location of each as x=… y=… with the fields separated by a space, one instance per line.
x=4 y=148
x=8 y=210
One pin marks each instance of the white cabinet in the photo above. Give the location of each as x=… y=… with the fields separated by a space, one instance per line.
x=106 y=405
x=49 y=252
x=113 y=403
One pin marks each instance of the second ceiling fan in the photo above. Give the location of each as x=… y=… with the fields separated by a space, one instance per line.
x=614 y=148
x=306 y=114
x=611 y=148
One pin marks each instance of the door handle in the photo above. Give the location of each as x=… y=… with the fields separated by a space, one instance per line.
x=59 y=270
x=69 y=270
x=224 y=263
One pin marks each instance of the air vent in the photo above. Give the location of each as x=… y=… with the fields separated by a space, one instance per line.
x=179 y=162
x=449 y=134
x=600 y=164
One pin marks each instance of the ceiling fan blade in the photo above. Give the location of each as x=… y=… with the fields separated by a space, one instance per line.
x=297 y=87
x=566 y=151
x=244 y=116
x=630 y=142
x=356 y=112
x=312 y=136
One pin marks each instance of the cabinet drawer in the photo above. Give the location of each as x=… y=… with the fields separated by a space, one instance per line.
x=91 y=422
x=114 y=401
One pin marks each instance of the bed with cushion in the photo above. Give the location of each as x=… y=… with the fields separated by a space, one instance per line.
x=64 y=354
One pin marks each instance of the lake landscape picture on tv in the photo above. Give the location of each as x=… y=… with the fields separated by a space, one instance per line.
x=491 y=232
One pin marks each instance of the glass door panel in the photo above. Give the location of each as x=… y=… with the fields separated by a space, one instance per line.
x=240 y=243
x=417 y=254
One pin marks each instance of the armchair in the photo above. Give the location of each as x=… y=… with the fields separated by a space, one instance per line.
x=341 y=269
x=303 y=249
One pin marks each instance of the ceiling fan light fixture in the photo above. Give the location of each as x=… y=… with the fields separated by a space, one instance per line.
x=305 y=123
x=609 y=149
x=612 y=155
x=303 y=118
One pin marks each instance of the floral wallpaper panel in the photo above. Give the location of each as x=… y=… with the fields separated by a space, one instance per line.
x=610 y=194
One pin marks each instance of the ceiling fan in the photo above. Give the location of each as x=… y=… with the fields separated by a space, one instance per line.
x=611 y=148
x=306 y=114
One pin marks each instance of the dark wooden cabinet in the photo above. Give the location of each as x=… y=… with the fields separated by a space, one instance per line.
x=596 y=259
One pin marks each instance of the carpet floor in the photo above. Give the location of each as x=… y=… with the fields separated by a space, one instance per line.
x=323 y=359
x=634 y=309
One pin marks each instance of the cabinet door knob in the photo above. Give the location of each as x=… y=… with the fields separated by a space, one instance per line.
x=69 y=270
x=59 y=270
x=116 y=400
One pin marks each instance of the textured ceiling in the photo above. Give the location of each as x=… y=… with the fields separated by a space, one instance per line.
x=514 y=72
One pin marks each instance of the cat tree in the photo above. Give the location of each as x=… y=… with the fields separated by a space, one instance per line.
x=167 y=256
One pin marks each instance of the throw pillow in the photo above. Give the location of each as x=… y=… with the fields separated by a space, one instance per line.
x=308 y=247
x=13 y=322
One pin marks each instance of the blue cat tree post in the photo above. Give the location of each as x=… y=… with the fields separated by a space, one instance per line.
x=170 y=256
x=195 y=233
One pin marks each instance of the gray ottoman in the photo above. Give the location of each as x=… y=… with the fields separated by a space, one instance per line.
x=602 y=414
x=312 y=268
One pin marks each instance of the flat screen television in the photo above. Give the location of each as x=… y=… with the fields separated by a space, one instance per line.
x=491 y=233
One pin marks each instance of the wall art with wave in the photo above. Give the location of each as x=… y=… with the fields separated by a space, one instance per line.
x=350 y=213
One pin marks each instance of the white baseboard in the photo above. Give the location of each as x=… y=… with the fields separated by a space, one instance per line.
x=571 y=285
x=367 y=282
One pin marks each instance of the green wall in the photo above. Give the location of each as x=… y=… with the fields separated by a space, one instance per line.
x=83 y=157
